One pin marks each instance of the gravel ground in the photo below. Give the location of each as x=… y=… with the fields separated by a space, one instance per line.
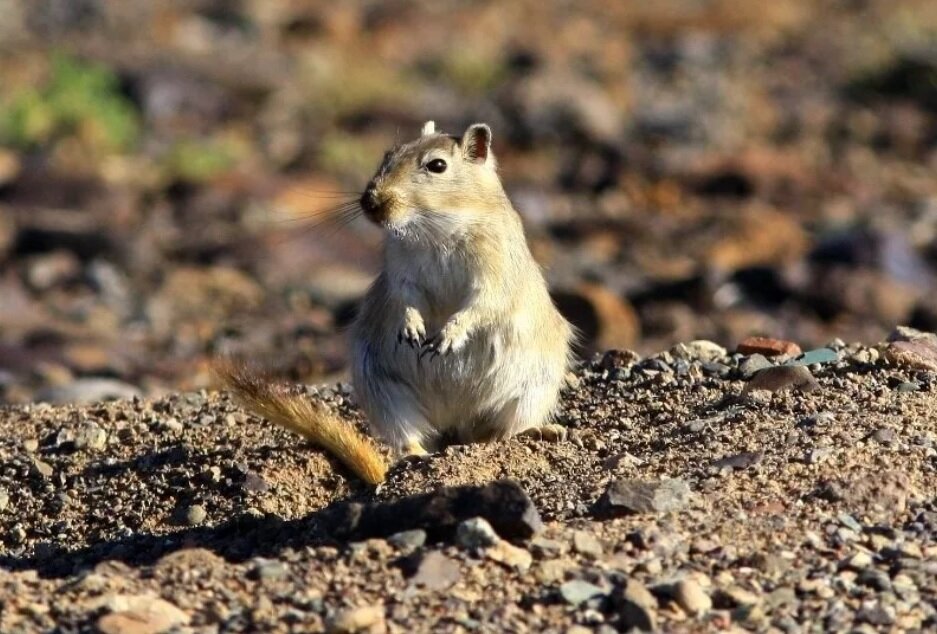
x=804 y=509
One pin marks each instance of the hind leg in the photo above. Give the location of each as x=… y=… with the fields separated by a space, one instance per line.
x=395 y=416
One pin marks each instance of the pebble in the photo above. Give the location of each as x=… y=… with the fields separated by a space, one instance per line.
x=433 y=571
x=30 y=445
x=140 y=614
x=638 y=607
x=408 y=540
x=739 y=461
x=254 y=483
x=768 y=347
x=369 y=617
x=782 y=377
x=172 y=424
x=476 y=533
x=752 y=365
x=268 y=569
x=90 y=436
x=547 y=548
x=691 y=597
x=577 y=591
x=701 y=349
x=646 y=496
x=885 y=436
x=44 y=469
x=919 y=354
x=586 y=544
x=510 y=556
x=195 y=515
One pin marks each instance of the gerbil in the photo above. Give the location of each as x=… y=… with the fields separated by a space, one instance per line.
x=457 y=339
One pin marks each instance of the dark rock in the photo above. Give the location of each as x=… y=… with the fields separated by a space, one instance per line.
x=254 y=483
x=644 y=496
x=503 y=503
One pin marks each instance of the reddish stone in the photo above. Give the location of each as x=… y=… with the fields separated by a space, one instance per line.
x=768 y=347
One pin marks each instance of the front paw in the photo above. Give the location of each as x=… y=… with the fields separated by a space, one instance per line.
x=413 y=331
x=451 y=338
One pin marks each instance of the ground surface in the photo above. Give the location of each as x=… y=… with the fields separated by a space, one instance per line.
x=823 y=519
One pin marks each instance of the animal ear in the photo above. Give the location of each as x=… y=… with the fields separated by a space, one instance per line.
x=429 y=128
x=476 y=143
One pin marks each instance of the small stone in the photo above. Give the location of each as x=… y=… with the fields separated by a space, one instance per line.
x=614 y=359
x=476 y=533
x=408 y=540
x=782 y=377
x=254 y=483
x=752 y=365
x=268 y=569
x=780 y=597
x=739 y=596
x=818 y=455
x=577 y=591
x=360 y=619
x=195 y=515
x=638 y=607
x=739 y=461
x=4 y=500
x=906 y=333
x=547 y=548
x=816 y=357
x=586 y=544
x=906 y=387
x=704 y=350
x=691 y=597
x=30 y=445
x=646 y=496
x=510 y=556
x=91 y=437
x=875 y=613
x=140 y=614
x=623 y=459
x=432 y=570
x=919 y=354
x=768 y=347
x=885 y=436
x=171 y=424
x=44 y=469
x=859 y=561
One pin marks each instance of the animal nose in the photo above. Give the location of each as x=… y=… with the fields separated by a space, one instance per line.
x=369 y=201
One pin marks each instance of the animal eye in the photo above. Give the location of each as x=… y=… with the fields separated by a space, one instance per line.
x=437 y=166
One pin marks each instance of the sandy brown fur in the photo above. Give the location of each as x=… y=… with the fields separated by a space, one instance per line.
x=303 y=416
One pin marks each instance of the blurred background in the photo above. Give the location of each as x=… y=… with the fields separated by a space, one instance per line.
x=685 y=168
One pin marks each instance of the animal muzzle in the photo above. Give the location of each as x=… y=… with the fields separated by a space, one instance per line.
x=374 y=208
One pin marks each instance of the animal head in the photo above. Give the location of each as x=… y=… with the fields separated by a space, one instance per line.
x=436 y=182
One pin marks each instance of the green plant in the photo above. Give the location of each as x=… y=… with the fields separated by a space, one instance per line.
x=80 y=100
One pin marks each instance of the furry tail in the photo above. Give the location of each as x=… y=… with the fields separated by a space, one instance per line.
x=307 y=418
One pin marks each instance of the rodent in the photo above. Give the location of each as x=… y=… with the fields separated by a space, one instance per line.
x=457 y=339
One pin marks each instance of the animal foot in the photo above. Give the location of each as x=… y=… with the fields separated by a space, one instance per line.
x=451 y=338
x=413 y=330
x=551 y=432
